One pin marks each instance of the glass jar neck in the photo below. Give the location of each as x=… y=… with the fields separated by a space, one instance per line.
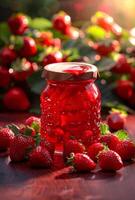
x=66 y=82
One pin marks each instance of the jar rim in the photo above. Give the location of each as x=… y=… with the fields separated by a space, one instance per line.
x=70 y=71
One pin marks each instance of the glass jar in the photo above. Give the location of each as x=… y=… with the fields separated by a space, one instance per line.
x=70 y=103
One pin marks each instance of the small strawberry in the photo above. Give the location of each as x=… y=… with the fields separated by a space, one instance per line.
x=110 y=140
x=126 y=149
x=121 y=66
x=34 y=122
x=116 y=120
x=48 y=145
x=52 y=58
x=28 y=47
x=5 y=77
x=6 y=136
x=18 y=24
x=124 y=89
x=81 y=162
x=61 y=22
x=94 y=150
x=16 y=99
x=87 y=138
x=20 y=147
x=109 y=160
x=40 y=158
x=7 y=56
x=73 y=146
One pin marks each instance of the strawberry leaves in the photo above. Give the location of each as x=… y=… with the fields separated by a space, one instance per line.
x=104 y=128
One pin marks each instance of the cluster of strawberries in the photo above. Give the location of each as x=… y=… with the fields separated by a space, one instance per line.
x=115 y=43
x=25 y=52
x=25 y=143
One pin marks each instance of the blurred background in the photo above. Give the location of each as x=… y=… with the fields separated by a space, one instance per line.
x=80 y=10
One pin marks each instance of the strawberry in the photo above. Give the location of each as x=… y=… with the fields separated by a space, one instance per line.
x=18 y=24
x=126 y=149
x=28 y=48
x=81 y=162
x=6 y=136
x=61 y=22
x=132 y=74
x=87 y=138
x=20 y=147
x=5 y=77
x=7 y=56
x=40 y=158
x=48 y=145
x=121 y=66
x=109 y=160
x=73 y=146
x=104 y=49
x=110 y=140
x=124 y=89
x=52 y=58
x=34 y=122
x=94 y=150
x=116 y=121
x=16 y=99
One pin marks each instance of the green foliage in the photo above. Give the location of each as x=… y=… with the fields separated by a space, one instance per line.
x=122 y=135
x=95 y=33
x=104 y=128
x=40 y=24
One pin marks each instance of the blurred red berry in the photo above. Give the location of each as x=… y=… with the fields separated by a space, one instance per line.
x=131 y=100
x=16 y=99
x=116 y=121
x=18 y=24
x=29 y=47
x=52 y=58
x=94 y=150
x=124 y=89
x=61 y=22
x=7 y=56
x=122 y=66
x=132 y=74
x=4 y=77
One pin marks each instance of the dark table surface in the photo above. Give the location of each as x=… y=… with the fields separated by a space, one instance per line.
x=18 y=182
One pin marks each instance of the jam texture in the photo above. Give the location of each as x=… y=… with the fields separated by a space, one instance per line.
x=71 y=110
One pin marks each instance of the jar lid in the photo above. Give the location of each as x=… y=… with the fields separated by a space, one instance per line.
x=70 y=71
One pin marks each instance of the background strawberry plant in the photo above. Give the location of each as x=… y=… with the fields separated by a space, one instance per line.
x=28 y=44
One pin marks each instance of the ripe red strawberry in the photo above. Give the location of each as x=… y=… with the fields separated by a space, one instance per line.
x=105 y=49
x=40 y=158
x=81 y=162
x=29 y=47
x=122 y=66
x=116 y=121
x=124 y=89
x=110 y=161
x=73 y=146
x=126 y=149
x=27 y=68
x=61 y=22
x=20 y=147
x=52 y=58
x=103 y=20
x=132 y=74
x=34 y=122
x=6 y=136
x=48 y=145
x=7 y=56
x=110 y=140
x=16 y=99
x=4 y=77
x=18 y=24
x=94 y=150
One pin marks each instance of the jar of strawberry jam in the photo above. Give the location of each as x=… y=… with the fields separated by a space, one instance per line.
x=70 y=103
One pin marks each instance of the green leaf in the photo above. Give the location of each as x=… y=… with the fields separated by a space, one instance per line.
x=40 y=24
x=37 y=139
x=28 y=131
x=36 y=83
x=35 y=126
x=14 y=128
x=104 y=128
x=122 y=135
x=4 y=33
x=96 y=33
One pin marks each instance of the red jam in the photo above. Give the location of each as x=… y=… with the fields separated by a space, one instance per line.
x=70 y=107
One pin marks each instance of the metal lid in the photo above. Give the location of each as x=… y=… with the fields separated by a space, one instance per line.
x=70 y=71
